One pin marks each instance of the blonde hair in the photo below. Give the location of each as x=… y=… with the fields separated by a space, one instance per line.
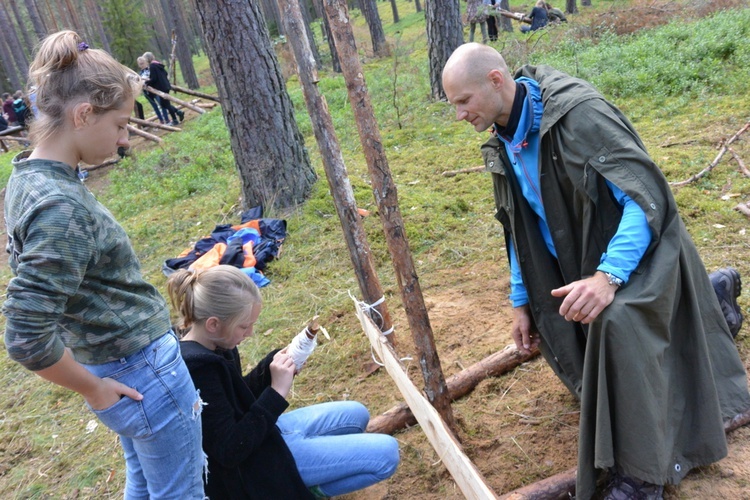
x=65 y=72
x=148 y=56
x=221 y=291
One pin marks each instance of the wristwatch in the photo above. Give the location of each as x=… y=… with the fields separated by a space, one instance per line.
x=614 y=280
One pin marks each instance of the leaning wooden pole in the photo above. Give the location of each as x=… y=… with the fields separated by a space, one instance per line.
x=333 y=163
x=145 y=135
x=386 y=196
x=174 y=99
x=459 y=385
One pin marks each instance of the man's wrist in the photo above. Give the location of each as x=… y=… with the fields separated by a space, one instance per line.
x=613 y=280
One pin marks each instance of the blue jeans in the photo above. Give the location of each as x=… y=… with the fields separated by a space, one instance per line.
x=151 y=98
x=161 y=434
x=332 y=450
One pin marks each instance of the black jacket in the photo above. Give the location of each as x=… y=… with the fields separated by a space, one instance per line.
x=158 y=77
x=247 y=457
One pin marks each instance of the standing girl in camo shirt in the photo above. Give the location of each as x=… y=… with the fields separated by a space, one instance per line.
x=79 y=313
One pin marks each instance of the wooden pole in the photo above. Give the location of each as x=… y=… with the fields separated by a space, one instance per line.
x=137 y=131
x=513 y=15
x=174 y=99
x=146 y=123
x=386 y=196
x=467 y=477
x=459 y=385
x=333 y=163
x=14 y=138
x=202 y=95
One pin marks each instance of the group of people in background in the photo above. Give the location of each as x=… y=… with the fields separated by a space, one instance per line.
x=484 y=13
x=155 y=76
x=16 y=110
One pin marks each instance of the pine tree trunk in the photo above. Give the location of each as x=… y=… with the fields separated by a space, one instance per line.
x=310 y=37
x=14 y=44
x=184 y=54
x=28 y=42
x=586 y=3
x=52 y=17
x=395 y=11
x=161 y=37
x=268 y=148
x=36 y=19
x=570 y=7
x=444 y=35
x=271 y=14
x=505 y=22
x=9 y=68
x=328 y=36
x=370 y=11
x=417 y=6
x=94 y=9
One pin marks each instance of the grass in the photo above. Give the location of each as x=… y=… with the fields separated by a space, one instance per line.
x=686 y=81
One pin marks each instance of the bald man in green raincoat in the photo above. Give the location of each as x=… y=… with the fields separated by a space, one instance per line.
x=649 y=355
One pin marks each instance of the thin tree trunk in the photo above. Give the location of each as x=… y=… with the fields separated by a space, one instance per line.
x=52 y=17
x=394 y=9
x=10 y=69
x=36 y=19
x=370 y=11
x=333 y=162
x=386 y=196
x=329 y=38
x=96 y=18
x=271 y=12
x=184 y=55
x=505 y=22
x=14 y=44
x=418 y=6
x=310 y=38
x=268 y=148
x=28 y=42
x=444 y=35
x=570 y=7
x=160 y=38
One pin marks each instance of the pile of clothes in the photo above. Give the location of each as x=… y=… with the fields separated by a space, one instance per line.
x=249 y=245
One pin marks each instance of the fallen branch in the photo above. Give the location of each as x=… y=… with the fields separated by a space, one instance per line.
x=743 y=208
x=724 y=148
x=102 y=165
x=513 y=15
x=146 y=123
x=196 y=93
x=459 y=385
x=207 y=105
x=739 y=161
x=453 y=173
x=14 y=138
x=150 y=137
x=174 y=99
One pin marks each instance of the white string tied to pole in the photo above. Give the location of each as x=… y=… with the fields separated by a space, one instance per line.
x=370 y=310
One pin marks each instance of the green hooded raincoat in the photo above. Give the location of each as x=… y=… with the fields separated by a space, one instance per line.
x=657 y=372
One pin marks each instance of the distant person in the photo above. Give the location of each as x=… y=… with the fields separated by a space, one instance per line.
x=159 y=80
x=150 y=96
x=555 y=14
x=8 y=109
x=255 y=450
x=3 y=122
x=21 y=109
x=538 y=16
x=476 y=13
x=492 y=22
x=78 y=311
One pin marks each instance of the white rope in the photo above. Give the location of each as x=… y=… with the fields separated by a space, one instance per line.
x=370 y=309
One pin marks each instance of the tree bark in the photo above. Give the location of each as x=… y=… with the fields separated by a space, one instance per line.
x=310 y=38
x=333 y=162
x=94 y=9
x=184 y=55
x=377 y=35
x=327 y=33
x=570 y=7
x=444 y=35
x=14 y=44
x=36 y=19
x=505 y=22
x=386 y=196
x=417 y=6
x=394 y=9
x=268 y=147
x=160 y=34
x=28 y=42
x=9 y=68
x=271 y=13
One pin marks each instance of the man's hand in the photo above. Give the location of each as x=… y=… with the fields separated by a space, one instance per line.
x=585 y=299
x=523 y=335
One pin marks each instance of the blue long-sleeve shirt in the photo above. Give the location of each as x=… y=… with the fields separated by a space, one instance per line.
x=627 y=246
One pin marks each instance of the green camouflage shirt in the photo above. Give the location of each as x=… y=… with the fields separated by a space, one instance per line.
x=77 y=279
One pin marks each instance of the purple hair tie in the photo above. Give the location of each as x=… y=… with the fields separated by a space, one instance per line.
x=82 y=46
